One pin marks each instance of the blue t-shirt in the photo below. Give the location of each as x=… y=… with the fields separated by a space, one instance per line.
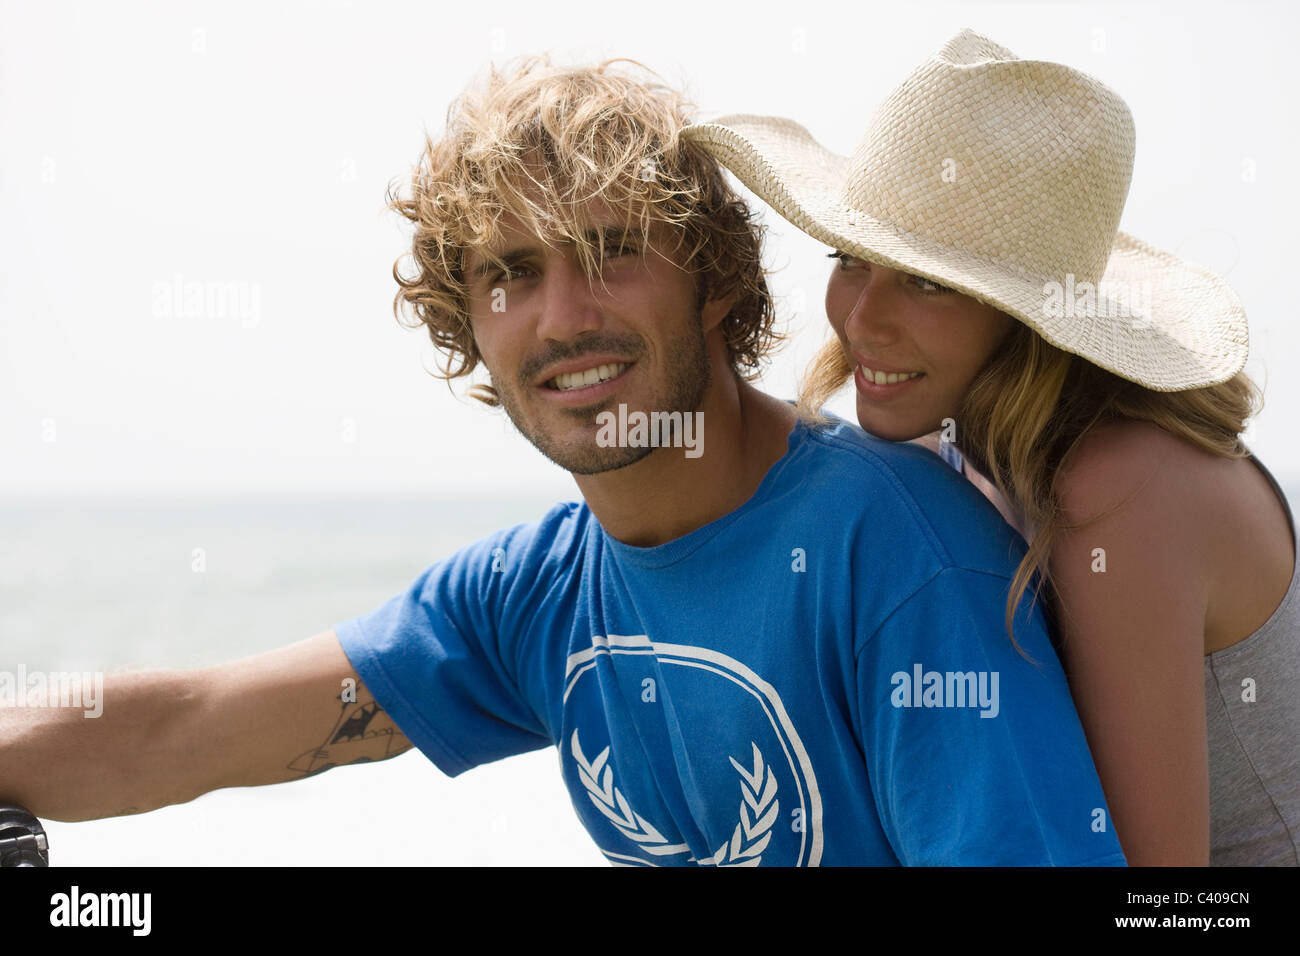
x=821 y=676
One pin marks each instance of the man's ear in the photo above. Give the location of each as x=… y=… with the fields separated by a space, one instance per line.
x=715 y=310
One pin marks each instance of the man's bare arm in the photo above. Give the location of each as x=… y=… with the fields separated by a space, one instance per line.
x=167 y=737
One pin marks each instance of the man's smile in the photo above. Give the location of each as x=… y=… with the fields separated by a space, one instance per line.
x=584 y=382
x=567 y=381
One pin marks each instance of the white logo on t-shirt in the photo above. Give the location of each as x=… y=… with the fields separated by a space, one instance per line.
x=750 y=706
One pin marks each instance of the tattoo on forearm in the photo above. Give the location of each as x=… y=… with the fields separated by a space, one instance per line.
x=361 y=734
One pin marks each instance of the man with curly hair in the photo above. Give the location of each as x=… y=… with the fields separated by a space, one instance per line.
x=779 y=646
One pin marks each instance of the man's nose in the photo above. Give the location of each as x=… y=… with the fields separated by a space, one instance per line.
x=568 y=300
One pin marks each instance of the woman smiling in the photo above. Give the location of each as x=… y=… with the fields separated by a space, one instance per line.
x=1091 y=386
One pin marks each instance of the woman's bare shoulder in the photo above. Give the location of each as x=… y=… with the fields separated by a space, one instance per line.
x=1130 y=598
x=1134 y=467
x=1131 y=499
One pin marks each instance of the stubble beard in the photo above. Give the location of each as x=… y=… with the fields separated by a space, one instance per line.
x=689 y=378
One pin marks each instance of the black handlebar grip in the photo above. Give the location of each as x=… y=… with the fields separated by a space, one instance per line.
x=22 y=839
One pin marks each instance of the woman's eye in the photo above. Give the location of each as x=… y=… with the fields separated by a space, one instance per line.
x=846 y=261
x=930 y=286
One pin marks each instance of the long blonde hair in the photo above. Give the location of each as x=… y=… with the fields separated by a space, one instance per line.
x=1029 y=408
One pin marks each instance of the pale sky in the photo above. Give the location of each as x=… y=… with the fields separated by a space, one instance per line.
x=248 y=146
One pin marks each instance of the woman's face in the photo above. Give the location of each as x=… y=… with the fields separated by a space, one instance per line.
x=922 y=342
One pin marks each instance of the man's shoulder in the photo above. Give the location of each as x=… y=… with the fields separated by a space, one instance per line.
x=906 y=496
x=524 y=549
x=553 y=536
x=843 y=460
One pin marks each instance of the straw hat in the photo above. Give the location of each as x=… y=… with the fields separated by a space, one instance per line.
x=1003 y=179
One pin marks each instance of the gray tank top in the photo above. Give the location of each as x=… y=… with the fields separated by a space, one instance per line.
x=1252 y=711
x=1252 y=723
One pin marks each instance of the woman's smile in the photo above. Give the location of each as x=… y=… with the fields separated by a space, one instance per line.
x=915 y=345
x=874 y=383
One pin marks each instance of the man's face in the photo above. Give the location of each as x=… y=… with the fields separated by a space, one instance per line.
x=562 y=346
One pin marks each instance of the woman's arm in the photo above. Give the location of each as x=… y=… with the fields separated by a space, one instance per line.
x=1131 y=591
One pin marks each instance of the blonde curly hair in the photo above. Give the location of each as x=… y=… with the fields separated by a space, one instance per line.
x=537 y=141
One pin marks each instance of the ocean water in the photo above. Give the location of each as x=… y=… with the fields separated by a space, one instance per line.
x=107 y=584
x=110 y=584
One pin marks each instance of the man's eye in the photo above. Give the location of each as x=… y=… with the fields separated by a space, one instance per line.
x=614 y=256
x=510 y=273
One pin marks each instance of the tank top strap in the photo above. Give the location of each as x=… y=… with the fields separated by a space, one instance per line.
x=949 y=453
x=1277 y=489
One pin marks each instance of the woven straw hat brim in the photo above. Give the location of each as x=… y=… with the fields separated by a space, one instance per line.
x=1186 y=330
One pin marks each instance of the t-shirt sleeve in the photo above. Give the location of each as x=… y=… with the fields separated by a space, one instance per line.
x=442 y=658
x=976 y=756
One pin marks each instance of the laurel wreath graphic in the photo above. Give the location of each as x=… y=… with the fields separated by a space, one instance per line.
x=752 y=833
x=759 y=809
x=611 y=802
